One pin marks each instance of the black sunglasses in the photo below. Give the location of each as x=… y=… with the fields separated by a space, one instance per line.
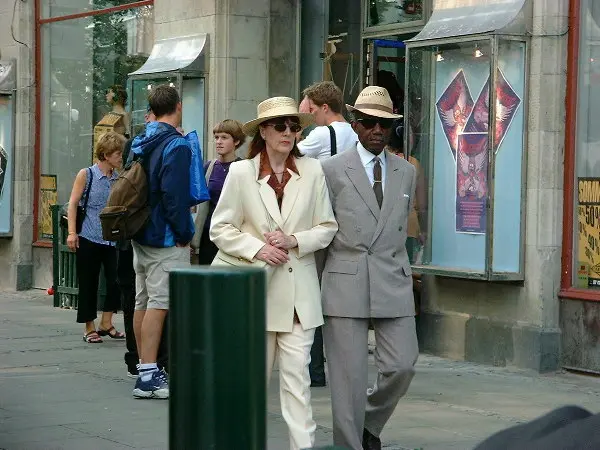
x=282 y=126
x=370 y=123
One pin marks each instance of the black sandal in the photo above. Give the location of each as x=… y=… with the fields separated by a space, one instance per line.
x=114 y=335
x=92 y=338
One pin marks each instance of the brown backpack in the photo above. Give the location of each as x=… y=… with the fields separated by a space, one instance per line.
x=128 y=208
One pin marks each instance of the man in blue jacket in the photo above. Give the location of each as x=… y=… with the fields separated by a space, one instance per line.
x=163 y=242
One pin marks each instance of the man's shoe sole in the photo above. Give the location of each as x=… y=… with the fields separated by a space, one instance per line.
x=138 y=393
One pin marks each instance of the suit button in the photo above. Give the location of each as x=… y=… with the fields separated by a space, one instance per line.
x=394 y=255
x=290 y=270
x=400 y=229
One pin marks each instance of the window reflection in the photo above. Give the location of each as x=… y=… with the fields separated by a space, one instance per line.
x=386 y=12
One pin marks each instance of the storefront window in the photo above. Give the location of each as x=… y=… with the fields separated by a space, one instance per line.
x=55 y=8
x=81 y=60
x=453 y=91
x=586 y=239
x=389 y=12
x=343 y=49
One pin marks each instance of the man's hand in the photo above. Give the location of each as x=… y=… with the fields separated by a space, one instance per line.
x=273 y=256
x=281 y=240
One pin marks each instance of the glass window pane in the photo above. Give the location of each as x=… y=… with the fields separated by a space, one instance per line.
x=82 y=59
x=444 y=85
x=508 y=142
x=56 y=8
x=342 y=61
x=387 y=12
x=586 y=239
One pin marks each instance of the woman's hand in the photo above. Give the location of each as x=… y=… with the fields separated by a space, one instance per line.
x=273 y=256
x=280 y=240
x=73 y=241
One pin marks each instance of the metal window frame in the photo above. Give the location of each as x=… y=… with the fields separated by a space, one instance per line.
x=488 y=274
x=39 y=22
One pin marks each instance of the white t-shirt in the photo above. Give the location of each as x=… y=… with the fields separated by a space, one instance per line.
x=318 y=142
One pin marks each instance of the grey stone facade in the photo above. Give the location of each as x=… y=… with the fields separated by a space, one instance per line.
x=16 y=255
x=254 y=53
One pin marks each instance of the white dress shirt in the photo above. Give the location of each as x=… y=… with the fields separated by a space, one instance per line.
x=368 y=161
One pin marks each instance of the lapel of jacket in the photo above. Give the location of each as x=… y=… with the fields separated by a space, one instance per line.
x=356 y=172
x=290 y=193
x=267 y=195
x=393 y=182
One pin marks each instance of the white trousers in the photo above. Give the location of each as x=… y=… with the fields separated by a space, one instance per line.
x=292 y=351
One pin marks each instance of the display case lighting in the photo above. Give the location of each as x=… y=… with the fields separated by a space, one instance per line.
x=478 y=53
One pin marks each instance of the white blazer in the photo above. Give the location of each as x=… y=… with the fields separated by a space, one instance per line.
x=248 y=208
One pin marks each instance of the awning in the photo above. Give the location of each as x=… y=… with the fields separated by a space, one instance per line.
x=8 y=79
x=179 y=54
x=453 y=18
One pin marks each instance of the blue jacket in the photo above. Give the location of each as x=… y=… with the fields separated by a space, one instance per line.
x=169 y=183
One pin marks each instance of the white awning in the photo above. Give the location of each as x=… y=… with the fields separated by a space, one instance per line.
x=8 y=79
x=453 y=18
x=184 y=53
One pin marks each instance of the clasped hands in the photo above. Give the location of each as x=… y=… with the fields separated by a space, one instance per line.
x=275 y=251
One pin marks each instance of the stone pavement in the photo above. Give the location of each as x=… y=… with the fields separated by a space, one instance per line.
x=56 y=392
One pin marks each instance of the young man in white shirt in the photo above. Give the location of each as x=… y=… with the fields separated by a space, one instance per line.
x=324 y=100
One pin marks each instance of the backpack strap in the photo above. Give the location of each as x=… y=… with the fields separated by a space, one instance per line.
x=88 y=187
x=209 y=170
x=333 y=140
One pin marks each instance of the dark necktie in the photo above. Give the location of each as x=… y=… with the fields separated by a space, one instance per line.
x=377 y=185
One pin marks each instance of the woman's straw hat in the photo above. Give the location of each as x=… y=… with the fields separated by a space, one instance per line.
x=375 y=101
x=275 y=107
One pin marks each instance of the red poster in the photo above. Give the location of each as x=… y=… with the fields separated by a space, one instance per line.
x=454 y=107
x=471 y=183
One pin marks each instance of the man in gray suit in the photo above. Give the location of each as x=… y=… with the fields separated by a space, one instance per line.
x=367 y=277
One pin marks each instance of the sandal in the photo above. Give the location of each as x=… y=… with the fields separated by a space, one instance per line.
x=114 y=335
x=92 y=338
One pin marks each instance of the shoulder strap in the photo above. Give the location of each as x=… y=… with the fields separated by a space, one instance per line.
x=209 y=170
x=88 y=188
x=333 y=140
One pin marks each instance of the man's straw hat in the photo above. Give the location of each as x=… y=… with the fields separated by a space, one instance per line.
x=275 y=107
x=375 y=101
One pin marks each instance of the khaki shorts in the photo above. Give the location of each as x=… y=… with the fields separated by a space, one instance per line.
x=152 y=266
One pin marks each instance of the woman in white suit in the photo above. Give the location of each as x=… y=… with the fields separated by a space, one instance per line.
x=275 y=212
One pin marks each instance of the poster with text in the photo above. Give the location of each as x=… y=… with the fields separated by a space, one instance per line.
x=588 y=228
x=471 y=183
x=454 y=107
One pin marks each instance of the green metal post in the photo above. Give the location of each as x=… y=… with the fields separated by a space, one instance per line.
x=55 y=253
x=217 y=358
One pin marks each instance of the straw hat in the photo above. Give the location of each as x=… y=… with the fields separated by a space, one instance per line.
x=275 y=107
x=375 y=101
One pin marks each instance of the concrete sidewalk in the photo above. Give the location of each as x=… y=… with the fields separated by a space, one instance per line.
x=56 y=392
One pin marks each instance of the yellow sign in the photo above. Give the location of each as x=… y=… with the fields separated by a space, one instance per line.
x=588 y=227
x=48 y=197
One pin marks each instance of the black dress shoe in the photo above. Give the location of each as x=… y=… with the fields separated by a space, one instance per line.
x=370 y=441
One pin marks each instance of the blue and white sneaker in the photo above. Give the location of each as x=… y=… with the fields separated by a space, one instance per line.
x=155 y=387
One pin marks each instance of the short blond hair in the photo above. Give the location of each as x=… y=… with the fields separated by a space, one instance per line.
x=233 y=128
x=109 y=143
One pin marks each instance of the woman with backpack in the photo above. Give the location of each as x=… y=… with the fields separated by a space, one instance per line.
x=229 y=137
x=88 y=197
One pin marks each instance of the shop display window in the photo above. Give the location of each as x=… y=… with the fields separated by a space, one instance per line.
x=465 y=105
x=83 y=60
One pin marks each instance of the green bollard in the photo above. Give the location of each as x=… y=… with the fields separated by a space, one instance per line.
x=217 y=358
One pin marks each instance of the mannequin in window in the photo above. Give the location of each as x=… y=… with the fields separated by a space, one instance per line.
x=116 y=97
